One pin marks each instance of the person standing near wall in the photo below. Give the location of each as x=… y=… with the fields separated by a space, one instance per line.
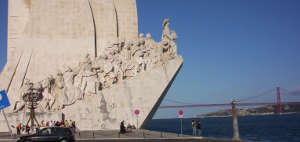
x=122 y=127
x=199 y=128
x=194 y=127
x=19 y=129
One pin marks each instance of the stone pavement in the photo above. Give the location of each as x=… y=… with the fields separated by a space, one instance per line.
x=138 y=136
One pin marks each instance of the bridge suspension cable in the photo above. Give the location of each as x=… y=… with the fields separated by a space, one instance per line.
x=178 y=102
x=240 y=102
x=295 y=92
x=258 y=95
x=227 y=104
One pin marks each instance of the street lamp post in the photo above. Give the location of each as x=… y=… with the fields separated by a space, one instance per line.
x=235 y=125
x=137 y=112
x=180 y=115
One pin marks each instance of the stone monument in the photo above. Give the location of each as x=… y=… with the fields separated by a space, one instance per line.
x=89 y=63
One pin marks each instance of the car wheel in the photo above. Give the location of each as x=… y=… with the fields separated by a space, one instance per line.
x=63 y=140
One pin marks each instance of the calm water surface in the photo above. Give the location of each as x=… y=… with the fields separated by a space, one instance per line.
x=268 y=128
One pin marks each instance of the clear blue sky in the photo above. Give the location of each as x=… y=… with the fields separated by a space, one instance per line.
x=231 y=48
x=3 y=32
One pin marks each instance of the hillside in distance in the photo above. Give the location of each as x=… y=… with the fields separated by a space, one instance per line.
x=264 y=110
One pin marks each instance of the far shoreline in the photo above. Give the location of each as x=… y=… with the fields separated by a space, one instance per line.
x=197 y=117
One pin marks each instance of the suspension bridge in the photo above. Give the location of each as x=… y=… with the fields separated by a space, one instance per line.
x=245 y=101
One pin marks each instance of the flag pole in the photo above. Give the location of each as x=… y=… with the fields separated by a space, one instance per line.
x=9 y=129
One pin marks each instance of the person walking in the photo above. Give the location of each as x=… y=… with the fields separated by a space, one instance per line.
x=122 y=127
x=199 y=128
x=194 y=125
x=19 y=129
x=67 y=124
x=51 y=123
x=47 y=124
x=73 y=126
x=27 y=129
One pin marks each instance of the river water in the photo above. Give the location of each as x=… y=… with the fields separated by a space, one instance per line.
x=265 y=128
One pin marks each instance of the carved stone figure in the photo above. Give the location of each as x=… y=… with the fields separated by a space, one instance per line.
x=141 y=40
x=58 y=92
x=167 y=39
x=126 y=52
x=71 y=92
x=149 y=42
x=26 y=88
x=48 y=99
x=86 y=63
x=89 y=83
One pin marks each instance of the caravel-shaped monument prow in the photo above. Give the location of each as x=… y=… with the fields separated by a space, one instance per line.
x=89 y=61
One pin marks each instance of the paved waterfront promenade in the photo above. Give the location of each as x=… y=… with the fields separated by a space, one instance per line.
x=138 y=136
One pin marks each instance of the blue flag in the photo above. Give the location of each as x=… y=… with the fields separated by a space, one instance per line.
x=4 y=102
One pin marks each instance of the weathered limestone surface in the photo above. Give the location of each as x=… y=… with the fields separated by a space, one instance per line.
x=85 y=58
x=44 y=36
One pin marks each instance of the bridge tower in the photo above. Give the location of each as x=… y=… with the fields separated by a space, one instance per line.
x=279 y=107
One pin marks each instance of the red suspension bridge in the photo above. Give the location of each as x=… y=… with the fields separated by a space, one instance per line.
x=243 y=102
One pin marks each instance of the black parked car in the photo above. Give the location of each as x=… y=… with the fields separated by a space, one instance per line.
x=51 y=134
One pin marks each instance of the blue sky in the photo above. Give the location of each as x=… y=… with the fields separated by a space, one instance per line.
x=231 y=49
x=3 y=32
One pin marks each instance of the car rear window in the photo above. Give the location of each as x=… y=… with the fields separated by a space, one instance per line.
x=68 y=131
x=59 y=131
x=63 y=131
